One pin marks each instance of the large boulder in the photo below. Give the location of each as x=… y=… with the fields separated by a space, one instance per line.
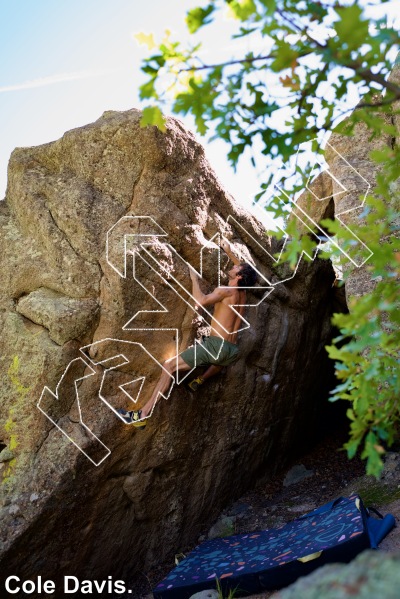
x=83 y=334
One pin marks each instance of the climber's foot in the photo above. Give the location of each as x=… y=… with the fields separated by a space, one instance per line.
x=195 y=384
x=133 y=417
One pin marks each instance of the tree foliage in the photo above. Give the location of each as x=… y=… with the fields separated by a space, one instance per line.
x=314 y=56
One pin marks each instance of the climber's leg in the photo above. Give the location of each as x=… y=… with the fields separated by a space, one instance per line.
x=170 y=366
x=211 y=371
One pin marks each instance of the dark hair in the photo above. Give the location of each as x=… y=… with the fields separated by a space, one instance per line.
x=248 y=274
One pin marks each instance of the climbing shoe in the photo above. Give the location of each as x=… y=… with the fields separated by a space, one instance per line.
x=195 y=384
x=133 y=417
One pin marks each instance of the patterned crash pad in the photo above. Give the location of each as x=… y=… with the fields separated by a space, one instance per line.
x=269 y=559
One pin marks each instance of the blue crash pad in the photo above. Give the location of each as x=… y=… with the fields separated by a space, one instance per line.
x=269 y=559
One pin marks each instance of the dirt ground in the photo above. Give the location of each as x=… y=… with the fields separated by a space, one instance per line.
x=322 y=475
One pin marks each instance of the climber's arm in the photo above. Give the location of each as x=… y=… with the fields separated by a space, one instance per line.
x=203 y=299
x=226 y=246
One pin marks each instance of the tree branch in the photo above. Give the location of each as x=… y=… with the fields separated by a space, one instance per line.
x=228 y=63
x=242 y=61
x=354 y=65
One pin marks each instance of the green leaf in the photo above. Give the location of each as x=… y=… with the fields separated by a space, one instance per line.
x=197 y=17
x=286 y=56
x=269 y=5
x=351 y=29
x=148 y=90
x=242 y=9
x=152 y=115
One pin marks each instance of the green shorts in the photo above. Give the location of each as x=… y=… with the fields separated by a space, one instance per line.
x=212 y=350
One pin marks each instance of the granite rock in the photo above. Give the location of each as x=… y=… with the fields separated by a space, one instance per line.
x=371 y=574
x=79 y=323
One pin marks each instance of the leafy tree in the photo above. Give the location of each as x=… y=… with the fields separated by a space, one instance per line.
x=298 y=88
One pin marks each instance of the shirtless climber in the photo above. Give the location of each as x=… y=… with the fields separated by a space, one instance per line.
x=221 y=343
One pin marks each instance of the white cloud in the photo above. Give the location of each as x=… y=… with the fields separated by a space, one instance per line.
x=52 y=79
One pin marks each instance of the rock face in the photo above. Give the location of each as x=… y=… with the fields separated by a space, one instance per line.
x=83 y=334
x=351 y=168
x=371 y=574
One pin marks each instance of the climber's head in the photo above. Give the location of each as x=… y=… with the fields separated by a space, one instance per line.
x=242 y=275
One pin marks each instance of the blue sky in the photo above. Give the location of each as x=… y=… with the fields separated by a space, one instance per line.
x=65 y=62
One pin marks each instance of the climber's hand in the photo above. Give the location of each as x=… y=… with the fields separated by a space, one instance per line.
x=226 y=246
